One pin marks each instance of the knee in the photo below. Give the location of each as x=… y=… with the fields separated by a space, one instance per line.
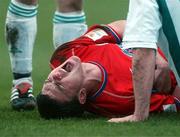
x=28 y=2
x=69 y=5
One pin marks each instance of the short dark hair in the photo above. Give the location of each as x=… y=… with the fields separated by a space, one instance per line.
x=52 y=109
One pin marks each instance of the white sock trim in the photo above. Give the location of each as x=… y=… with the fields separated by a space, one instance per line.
x=70 y=17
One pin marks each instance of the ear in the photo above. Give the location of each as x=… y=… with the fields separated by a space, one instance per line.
x=82 y=96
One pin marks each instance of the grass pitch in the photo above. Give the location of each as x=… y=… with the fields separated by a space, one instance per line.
x=29 y=124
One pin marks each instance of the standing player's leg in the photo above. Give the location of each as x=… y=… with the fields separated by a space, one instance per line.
x=21 y=30
x=69 y=21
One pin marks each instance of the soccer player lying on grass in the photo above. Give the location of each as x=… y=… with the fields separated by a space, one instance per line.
x=93 y=73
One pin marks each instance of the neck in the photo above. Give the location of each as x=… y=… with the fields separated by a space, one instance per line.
x=93 y=77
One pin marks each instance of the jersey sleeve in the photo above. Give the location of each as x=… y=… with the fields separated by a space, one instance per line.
x=103 y=34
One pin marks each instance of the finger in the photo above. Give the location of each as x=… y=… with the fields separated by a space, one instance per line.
x=116 y=120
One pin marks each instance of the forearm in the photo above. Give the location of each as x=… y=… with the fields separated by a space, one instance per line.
x=143 y=76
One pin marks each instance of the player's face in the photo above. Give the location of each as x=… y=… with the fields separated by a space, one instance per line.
x=64 y=82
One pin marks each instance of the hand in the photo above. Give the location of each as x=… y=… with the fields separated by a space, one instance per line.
x=162 y=81
x=130 y=118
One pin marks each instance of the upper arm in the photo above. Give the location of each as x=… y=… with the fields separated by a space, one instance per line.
x=118 y=26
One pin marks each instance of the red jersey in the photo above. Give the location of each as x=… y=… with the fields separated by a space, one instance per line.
x=101 y=45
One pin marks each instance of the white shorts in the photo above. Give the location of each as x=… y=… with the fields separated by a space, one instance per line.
x=148 y=21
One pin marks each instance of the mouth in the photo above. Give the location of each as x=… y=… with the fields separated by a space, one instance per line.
x=68 y=66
